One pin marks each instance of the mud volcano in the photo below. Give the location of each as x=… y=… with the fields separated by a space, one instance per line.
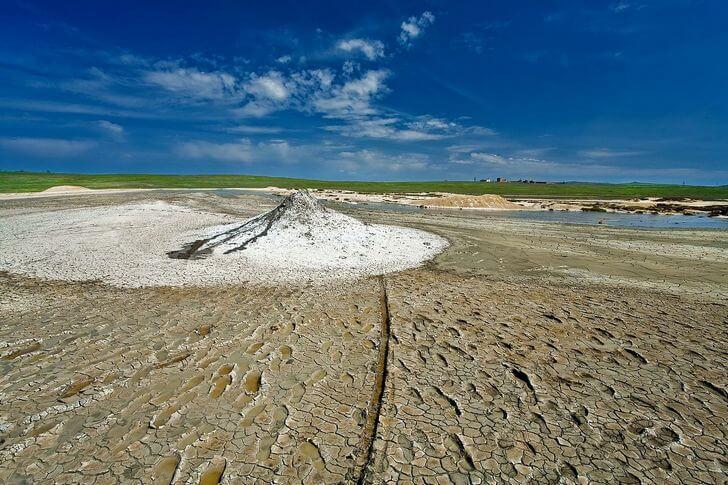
x=301 y=236
x=300 y=215
x=143 y=244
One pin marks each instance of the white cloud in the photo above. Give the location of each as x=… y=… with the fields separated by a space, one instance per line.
x=481 y=131
x=280 y=149
x=353 y=98
x=566 y=170
x=620 y=7
x=239 y=151
x=489 y=158
x=414 y=27
x=368 y=85
x=130 y=59
x=461 y=156
x=275 y=91
x=462 y=148
x=517 y=166
x=372 y=49
x=335 y=94
x=268 y=86
x=98 y=84
x=254 y=130
x=350 y=67
x=373 y=162
x=193 y=83
x=47 y=147
x=244 y=151
x=421 y=128
x=531 y=153
x=255 y=109
x=392 y=128
x=328 y=156
x=270 y=92
x=607 y=153
x=284 y=59
x=114 y=130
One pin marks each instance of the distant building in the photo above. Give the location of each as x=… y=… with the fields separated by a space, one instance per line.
x=501 y=180
x=487 y=181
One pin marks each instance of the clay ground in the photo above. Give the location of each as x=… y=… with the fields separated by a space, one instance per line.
x=526 y=352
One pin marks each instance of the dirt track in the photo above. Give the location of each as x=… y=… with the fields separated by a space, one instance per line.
x=525 y=352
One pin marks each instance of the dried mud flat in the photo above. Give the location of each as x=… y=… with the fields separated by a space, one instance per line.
x=524 y=353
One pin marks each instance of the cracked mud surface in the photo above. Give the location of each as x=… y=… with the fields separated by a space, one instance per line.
x=490 y=377
x=273 y=381
x=548 y=383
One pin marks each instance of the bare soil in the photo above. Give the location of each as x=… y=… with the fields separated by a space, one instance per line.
x=526 y=352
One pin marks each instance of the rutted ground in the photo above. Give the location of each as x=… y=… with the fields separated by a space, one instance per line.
x=489 y=377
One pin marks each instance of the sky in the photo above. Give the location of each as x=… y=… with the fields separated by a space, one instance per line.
x=607 y=91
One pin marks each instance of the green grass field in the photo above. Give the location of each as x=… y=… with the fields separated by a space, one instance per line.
x=34 y=182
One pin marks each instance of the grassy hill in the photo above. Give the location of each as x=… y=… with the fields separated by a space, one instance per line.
x=36 y=181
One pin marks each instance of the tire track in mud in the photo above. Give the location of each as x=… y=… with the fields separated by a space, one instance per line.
x=366 y=444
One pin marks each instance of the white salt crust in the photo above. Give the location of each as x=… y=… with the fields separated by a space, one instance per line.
x=127 y=245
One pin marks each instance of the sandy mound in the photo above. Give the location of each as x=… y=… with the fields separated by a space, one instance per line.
x=65 y=188
x=486 y=201
x=143 y=244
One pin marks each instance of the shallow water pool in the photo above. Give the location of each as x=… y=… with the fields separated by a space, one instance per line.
x=640 y=221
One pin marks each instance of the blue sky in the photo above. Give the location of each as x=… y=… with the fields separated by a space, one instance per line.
x=427 y=90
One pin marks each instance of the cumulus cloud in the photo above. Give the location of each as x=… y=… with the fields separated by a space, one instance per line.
x=269 y=86
x=353 y=98
x=414 y=27
x=275 y=91
x=334 y=95
x=348 y=95
x=371 y=49
x=266 y=94
x=193 y=83
x=47 y=147
x=345 y=93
